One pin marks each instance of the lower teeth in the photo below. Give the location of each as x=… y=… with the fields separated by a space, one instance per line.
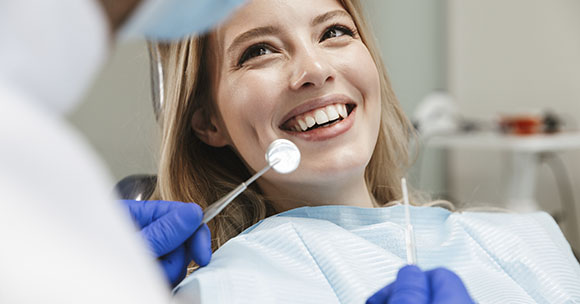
x=324 y=125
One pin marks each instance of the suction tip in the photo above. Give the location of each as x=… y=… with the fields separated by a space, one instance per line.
x=283 y=156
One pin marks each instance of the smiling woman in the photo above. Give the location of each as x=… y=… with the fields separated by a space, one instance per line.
x=307 y=73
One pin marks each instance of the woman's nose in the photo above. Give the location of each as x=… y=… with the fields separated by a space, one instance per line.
x=310 y=69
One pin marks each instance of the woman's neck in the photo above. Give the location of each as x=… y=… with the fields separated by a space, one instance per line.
x=351 y=193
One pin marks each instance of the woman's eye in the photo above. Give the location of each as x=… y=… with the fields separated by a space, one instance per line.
x=336 y=31
x=254 y=51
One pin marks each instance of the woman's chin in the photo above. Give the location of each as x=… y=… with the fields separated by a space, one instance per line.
x=335 y=162
x=327 y=176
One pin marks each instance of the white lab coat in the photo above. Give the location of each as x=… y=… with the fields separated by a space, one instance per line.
x=63 y=238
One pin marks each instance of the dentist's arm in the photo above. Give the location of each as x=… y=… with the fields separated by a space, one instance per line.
x=416 y=286
x=173 y=232
x=118 y=11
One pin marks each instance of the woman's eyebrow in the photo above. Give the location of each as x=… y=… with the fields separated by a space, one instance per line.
x=251 y=34
x=327 y=16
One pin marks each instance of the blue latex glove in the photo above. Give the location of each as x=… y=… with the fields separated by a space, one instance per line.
x=412 y=285
x=171 y=231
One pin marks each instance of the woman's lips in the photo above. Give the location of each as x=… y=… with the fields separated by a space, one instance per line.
x=317 y=117
x=325 y=132
x=315 y=103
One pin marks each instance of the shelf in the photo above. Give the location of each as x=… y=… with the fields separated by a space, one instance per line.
x=494 y=141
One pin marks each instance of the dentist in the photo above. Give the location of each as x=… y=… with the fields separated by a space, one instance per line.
x=64 y=238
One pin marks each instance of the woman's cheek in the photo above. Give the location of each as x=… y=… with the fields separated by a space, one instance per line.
x=249 y=103
x=256 y=87
x=364 y=73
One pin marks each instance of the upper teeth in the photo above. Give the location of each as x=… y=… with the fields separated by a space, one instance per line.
x=319 y=116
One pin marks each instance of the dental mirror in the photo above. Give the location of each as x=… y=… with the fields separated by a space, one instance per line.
x=282 y=155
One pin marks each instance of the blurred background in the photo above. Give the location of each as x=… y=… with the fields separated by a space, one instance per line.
x=477 y=77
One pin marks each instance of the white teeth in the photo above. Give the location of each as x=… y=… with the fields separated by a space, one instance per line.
x=302 y=125
x=321 y=117
x=331 y=112
x=342 y=110
x=310 y=121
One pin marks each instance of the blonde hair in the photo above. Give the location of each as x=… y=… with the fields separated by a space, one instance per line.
x=192 y=171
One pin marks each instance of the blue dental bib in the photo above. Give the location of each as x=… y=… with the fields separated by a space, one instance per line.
x=339 y=254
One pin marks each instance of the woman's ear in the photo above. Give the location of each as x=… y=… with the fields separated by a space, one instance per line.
x=208 y=129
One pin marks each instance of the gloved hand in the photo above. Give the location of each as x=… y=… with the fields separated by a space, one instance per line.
x=171 y=231
x=412 y=285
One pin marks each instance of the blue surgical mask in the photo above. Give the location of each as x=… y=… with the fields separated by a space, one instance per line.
x=166 y=20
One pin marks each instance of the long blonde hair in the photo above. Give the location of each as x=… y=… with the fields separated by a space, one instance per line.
x=192 y=171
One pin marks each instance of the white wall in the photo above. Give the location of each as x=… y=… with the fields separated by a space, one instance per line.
x=507 y=56
x=117 y=116
x=412 y=38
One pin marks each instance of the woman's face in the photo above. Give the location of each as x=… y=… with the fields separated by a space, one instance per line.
x=297 y=69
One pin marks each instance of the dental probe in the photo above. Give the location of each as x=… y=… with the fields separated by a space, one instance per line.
x=409 y=234
x=282 y=155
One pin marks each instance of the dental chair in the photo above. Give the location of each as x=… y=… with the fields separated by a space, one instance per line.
x=138 y=187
